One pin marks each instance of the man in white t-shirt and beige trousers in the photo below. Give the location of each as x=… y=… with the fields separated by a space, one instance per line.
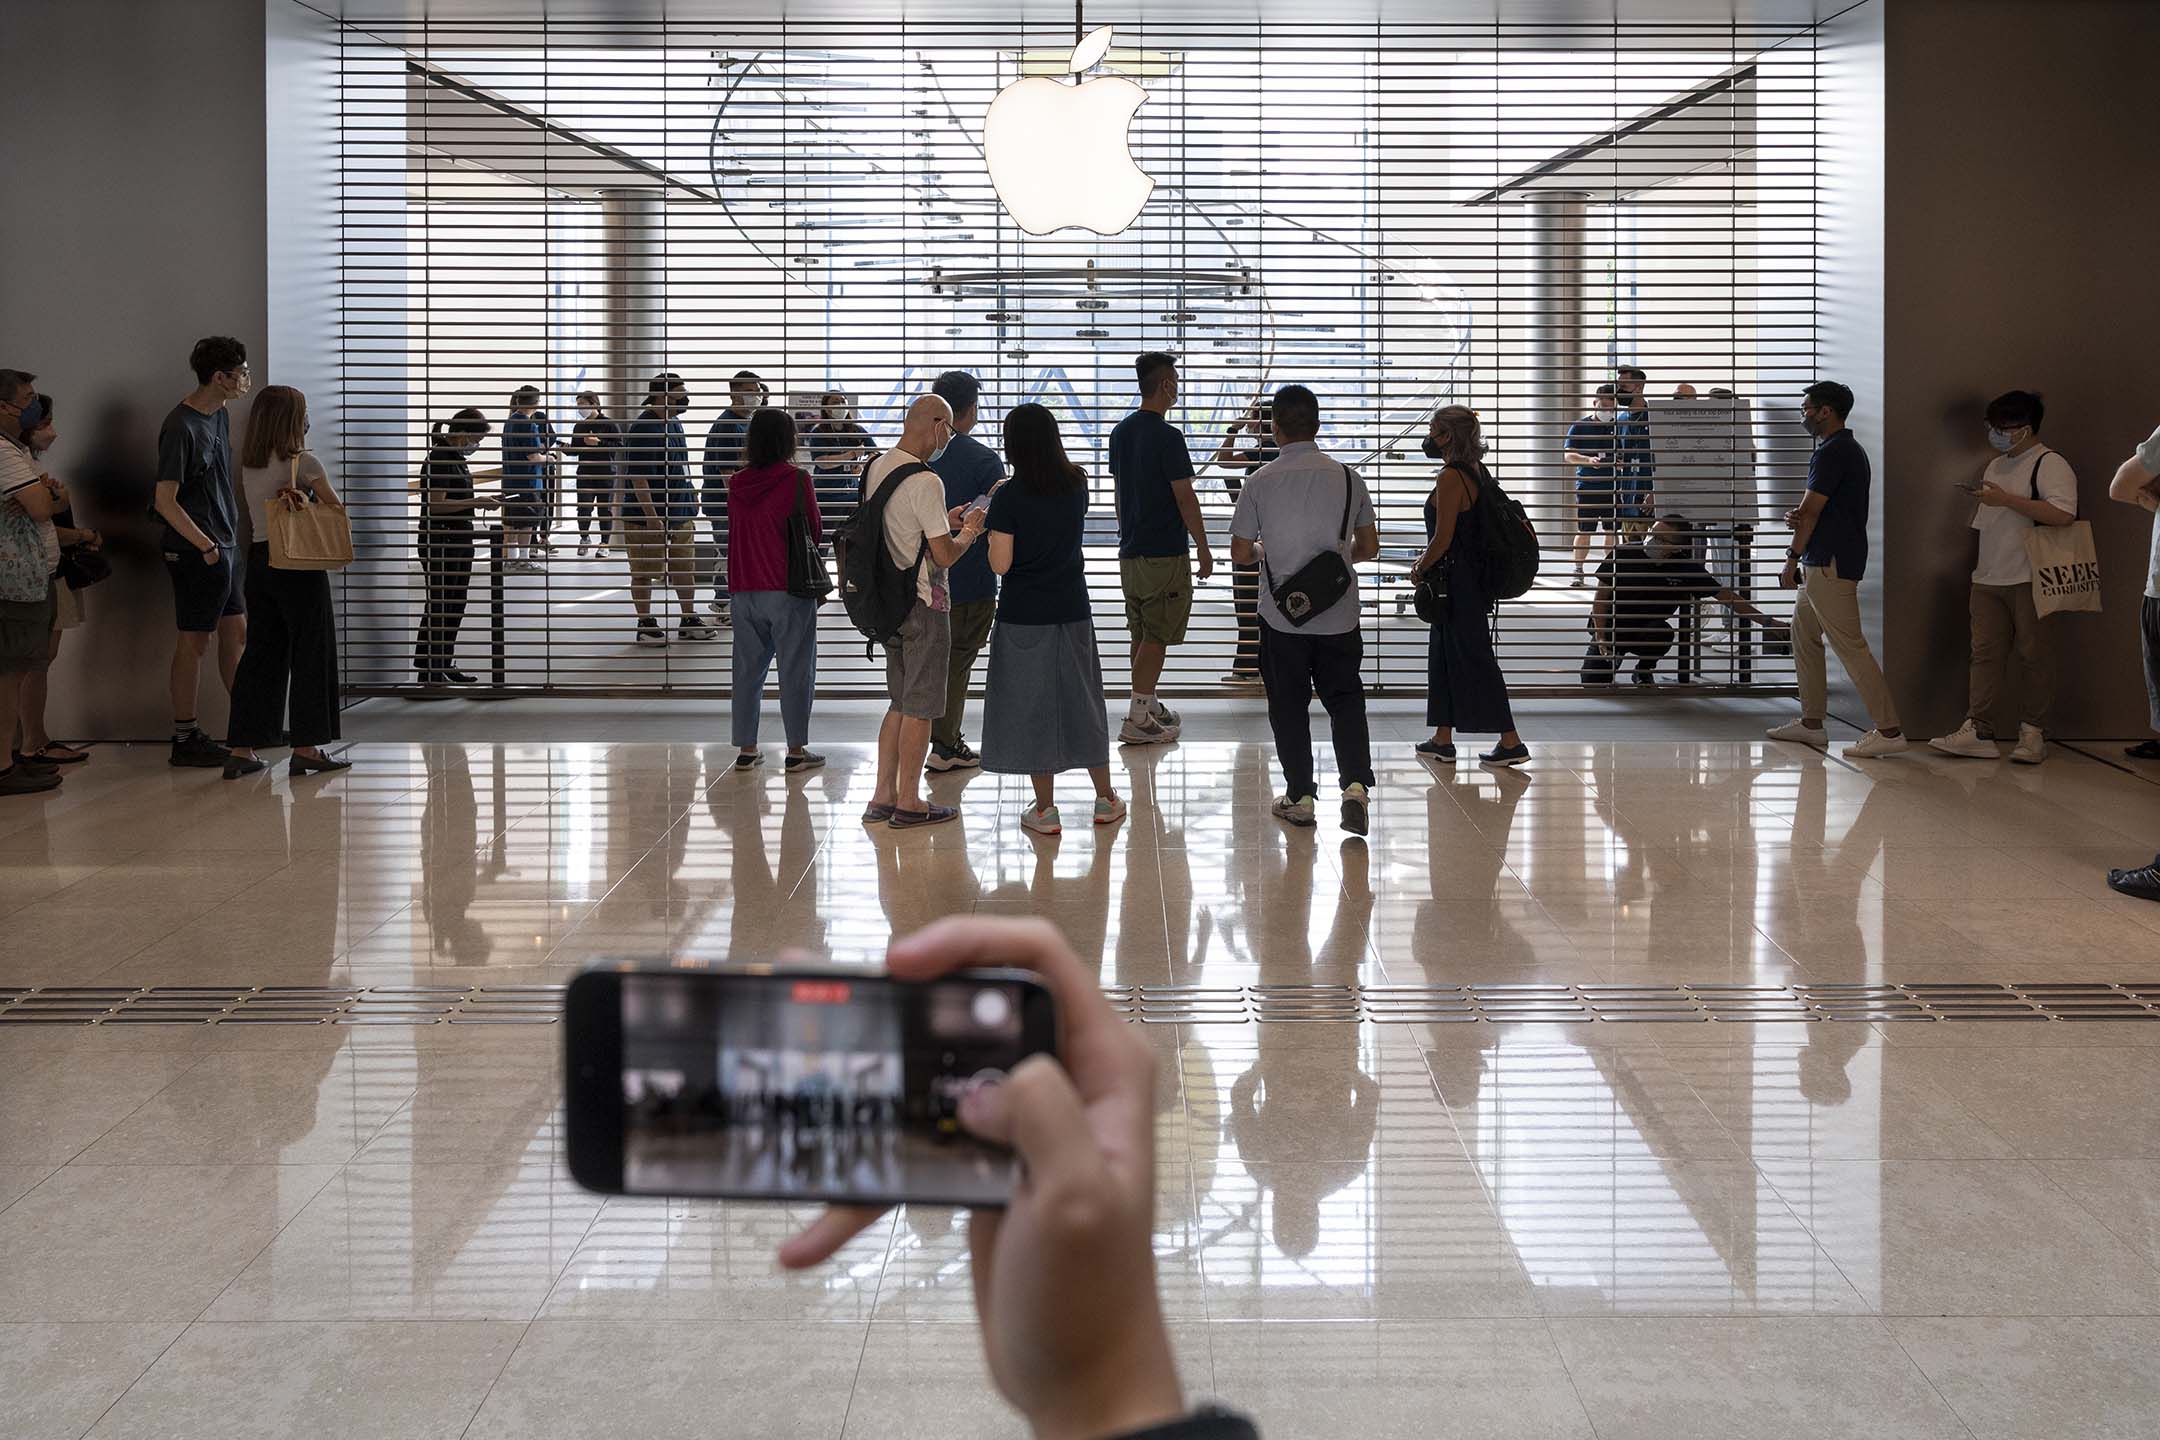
x=2026 y=485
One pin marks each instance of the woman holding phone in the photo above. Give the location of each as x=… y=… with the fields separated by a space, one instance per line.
x=447 y=507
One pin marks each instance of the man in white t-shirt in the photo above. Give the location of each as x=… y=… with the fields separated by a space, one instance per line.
x=2026 y=485
x=2137 y=483
x=917 y=524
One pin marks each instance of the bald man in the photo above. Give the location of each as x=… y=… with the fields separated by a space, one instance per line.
x=917 y=524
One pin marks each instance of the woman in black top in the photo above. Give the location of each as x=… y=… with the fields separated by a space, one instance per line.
x=596 y=441
x=1043 y=701
x=838 y=449
x=1464 y=686
x=1259 y=422
x=447 y=504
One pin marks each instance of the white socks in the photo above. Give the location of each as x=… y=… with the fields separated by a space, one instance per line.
x=1142 y=706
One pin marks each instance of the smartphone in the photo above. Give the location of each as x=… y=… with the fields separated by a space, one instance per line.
x=759 y=1083
x=1971 y=485
x=980 y=502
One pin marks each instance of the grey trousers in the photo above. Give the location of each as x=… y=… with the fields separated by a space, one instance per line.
x=771 y=624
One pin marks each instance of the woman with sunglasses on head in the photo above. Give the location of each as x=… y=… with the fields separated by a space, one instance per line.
x=292 y=640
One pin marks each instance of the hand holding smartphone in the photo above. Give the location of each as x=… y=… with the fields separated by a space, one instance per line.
x=794 y=1084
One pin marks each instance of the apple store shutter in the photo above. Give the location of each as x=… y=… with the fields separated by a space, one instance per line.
x=1399 y=215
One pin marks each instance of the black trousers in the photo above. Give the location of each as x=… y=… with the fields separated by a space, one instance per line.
x=595 y=503
x=447 y=563
x=1245 y=601
x=1294 y=665
x=291 y=649
x=1647 y=650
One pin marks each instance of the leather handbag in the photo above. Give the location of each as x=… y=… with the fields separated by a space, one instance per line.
x=808 y=576
x=1321 y=581
x=305 y=533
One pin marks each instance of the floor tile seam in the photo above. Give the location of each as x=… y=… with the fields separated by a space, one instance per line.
x=1552 y=1342
x=1822 y=1251
x=509 y=1355
x=55 y=1170
x=2138 y=1251
x=336 y=1171
x=129 y=1389
x=1948 y=1404
x=60 y=1061
x=570 y=1254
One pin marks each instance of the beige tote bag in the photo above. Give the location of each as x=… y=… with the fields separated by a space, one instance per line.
x=307 y=534
x=2065 y=567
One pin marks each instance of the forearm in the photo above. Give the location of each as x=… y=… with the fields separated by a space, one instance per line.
x=1243 y=551
x=182 y=523
x=1188 y=505
x=2041 y=512
x=1803 y=530
x=2131 y=480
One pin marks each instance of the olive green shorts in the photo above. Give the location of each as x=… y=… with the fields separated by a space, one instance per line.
x=1158 y=597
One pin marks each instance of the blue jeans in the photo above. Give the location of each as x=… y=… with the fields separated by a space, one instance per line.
x=771 y=623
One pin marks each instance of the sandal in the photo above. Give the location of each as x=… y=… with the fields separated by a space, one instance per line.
x=55 y=753
x=2143 y=750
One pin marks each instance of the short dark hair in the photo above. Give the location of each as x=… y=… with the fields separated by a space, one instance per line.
x=958 y=389
x=1150 y=367
x=2013 y=408
x=214 y=355
x=1678 y=522
x=1829 y=392
x=1036 y=452
x=1297 y=412
x=770 y=440
x=749 y=375
x=525 y=395
x=1608 y=392
x=1633 y=372
x=14 y=380
x=592 y=395
x=667 y=382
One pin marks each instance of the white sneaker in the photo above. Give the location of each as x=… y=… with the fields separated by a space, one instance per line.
x=1965 y=741
x=1164 y=715
x=1296 y=812
x=1042 y=822
x=692 y=631
x=1147 y=730
x=1799 y=734
x=2031 y=747
x=1874 y=745
x=1109 y=811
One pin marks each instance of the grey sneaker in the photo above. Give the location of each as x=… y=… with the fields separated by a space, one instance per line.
x=1043 y=822
x=1146 y=731
x=1295 y=812
x=807 y=760
x=1164 y=715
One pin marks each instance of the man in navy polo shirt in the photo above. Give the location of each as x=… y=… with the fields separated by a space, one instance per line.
x=970 y=471
x=1830 y=549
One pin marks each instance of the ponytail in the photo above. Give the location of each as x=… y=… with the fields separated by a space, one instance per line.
x=467 y=422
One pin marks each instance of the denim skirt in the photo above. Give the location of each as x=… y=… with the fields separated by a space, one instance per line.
x=1043 y=708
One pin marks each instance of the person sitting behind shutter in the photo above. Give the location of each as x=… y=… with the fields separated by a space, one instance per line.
x=1640 y=589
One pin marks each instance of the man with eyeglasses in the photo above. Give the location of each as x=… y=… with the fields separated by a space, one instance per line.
x=195 y=502
x=1828 y=556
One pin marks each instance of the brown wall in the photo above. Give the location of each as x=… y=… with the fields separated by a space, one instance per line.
x=2021 y=243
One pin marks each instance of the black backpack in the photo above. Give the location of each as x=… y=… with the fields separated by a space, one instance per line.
x=1508 y=553
x=878 y=594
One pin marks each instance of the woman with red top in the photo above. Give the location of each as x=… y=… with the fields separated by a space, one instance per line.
x=768 y=621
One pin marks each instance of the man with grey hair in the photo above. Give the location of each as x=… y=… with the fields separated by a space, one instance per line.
x=918 y=533
x=970 y=471
x=27 y=496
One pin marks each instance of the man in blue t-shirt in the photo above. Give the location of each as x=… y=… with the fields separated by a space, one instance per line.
x=1159 y=526
x=659 y=510
x=1828 y=557
x=1589 y=449
x=970 y=470
x=526 y=438
x=723 y=457
x=1632 y=462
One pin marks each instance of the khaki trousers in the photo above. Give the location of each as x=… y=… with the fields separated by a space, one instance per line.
x=2003 y=621
x=1830 y=608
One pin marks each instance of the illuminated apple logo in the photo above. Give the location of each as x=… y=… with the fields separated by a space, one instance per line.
x=1058 y=154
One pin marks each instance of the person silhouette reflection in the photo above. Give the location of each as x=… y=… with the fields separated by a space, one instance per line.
x=449 y=858
x=774 y=907
x=1303 y=1116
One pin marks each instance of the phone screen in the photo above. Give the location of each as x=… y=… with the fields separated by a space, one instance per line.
x=980 y=502
x=799 y=1085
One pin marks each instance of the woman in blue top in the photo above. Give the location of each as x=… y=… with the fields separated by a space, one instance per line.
x=525 y=457
x=1043 y=701
x=1590 y=445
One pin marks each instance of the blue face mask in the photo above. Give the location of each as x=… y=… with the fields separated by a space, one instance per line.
x=33 y=415
x=2004 y=440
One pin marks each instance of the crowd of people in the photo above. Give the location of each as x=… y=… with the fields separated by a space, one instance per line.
x=994 y=544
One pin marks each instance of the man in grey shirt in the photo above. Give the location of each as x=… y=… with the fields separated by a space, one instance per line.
x=1294 y=509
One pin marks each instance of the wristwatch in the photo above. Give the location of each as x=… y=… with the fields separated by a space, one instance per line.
x=1791 y=554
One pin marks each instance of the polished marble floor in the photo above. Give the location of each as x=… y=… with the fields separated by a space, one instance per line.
x=1434 y=1229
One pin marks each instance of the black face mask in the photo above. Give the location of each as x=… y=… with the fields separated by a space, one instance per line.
x=1433 y=450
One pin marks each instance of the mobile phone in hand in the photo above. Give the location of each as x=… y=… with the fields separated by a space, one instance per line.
x=793 y=1084
x=981 y=503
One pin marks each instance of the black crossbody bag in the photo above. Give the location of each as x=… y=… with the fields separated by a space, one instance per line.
x=1321 y=581
x=807 y=576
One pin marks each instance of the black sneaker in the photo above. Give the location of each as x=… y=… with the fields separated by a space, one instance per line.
x=2143 y=882
x=651 y=635
x=749 y=759
x=955 y=757
x=17 y=780
x=1436 y=752
x=807 y=760
x=1506 y=755
x=198 y=751
x=457 y=677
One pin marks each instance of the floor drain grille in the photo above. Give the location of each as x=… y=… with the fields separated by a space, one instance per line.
x=2054 y=1001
